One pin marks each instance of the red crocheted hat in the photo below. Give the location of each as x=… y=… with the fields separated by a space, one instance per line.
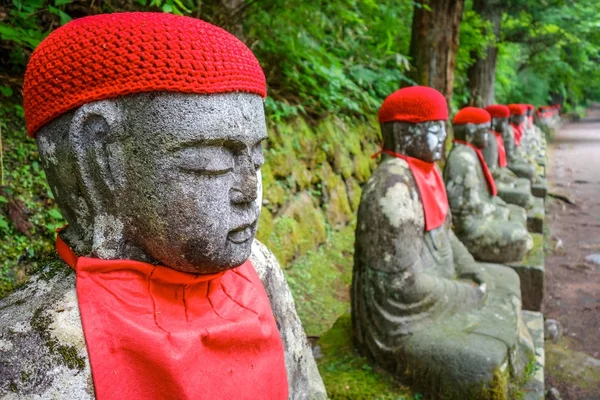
x=414 y=104
x=517 y=109
x=471 y=115
x=111 y=55
x=530 y=106
x=498 y=111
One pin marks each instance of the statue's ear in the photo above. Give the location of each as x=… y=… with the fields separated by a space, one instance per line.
x=470 y=131
x=94 y=133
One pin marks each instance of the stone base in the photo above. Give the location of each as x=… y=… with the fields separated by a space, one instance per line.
x=539 y=189
x=535 y=216
x=534 y=387
x=531 y=272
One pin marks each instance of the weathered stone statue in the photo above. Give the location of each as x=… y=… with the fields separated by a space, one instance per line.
x=491 y=229
x=422 y=307
x=149 y=128
x=513 y=135
x=534 y=142
x=521 y=162
x=511 y=188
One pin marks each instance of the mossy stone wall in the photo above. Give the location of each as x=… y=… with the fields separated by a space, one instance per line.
x=312 y=181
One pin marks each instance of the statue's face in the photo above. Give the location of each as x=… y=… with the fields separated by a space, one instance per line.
x=499 y=124
x=425 y=141
x=191 y=170
x=480 y=136
x=517 y=119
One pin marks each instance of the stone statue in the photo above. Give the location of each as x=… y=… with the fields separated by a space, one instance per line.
x=492 y=230
x=534 y=142
x=511 y=188
x=513 y=134
x=422 y=307
x=149 y=128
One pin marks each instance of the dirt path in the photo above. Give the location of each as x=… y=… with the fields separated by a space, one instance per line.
x=572 y=283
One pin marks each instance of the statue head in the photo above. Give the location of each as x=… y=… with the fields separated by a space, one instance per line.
x=151 y=138
x=413 y=123
x=500 y=114
x=518 y=112
x=472 y=125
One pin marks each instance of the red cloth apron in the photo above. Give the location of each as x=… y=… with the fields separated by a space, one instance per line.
x=155 y=333
x=486 y=171
x=517 y=133
x=502 y=163
x=431 y=188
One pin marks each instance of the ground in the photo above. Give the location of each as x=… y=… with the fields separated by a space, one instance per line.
x=572 y=283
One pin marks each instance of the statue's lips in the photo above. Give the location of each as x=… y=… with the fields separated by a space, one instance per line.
x=242 y=234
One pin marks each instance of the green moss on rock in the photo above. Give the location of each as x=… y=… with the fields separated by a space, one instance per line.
x=320 y=281
x=347 y=375
x=40 y=322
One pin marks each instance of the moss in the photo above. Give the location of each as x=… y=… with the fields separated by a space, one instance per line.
x=498 y=389
x=572 y=367
x=362 y=167
x=281 y=242
x=335 y=199
x=320 y=281
x=265 y=225
x=71 y=357
x=25 y=376
x=347 y=375
x=535 y=257
x=354 y=193
x=40 y=323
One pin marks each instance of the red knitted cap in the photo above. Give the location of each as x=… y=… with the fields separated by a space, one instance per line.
x=530 y=106
x=517 y=109
x=471 y=115
x=498 y=111
x=414 y=104
x=111 y=55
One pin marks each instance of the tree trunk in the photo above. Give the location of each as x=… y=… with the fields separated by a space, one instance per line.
x=482 y=74
x=234 y=17
x=434 y=43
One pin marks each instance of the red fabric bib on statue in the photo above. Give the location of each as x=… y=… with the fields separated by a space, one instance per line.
x=431 y=188
x=486 y=171
x=517 y=133
x=155 y=333
x=502 y=163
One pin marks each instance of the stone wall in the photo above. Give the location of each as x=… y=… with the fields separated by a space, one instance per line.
x=312 y=181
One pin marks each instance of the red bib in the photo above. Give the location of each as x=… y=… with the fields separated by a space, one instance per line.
x=517 y=133
x=431 y=188
x=155 y=333
x=486 y=171
x=502 y=163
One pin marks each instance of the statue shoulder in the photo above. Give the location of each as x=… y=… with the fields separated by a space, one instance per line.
x=461 y=161
x=41 y=339
x=303 y=375
x=391 y=198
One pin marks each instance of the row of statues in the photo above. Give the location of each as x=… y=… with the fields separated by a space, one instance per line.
x=150 y=129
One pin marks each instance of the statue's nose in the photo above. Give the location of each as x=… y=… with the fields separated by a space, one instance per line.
x=245 y=184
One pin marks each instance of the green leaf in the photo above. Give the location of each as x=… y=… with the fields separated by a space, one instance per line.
x=6 y=91
x=62 y=2
x=54 y=213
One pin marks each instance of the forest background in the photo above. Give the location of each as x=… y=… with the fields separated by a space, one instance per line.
x=329 y=65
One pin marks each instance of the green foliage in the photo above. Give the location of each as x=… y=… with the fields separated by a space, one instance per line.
x=330 y=56
x=550 y=54
x=28 y=215
x=476 y=35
